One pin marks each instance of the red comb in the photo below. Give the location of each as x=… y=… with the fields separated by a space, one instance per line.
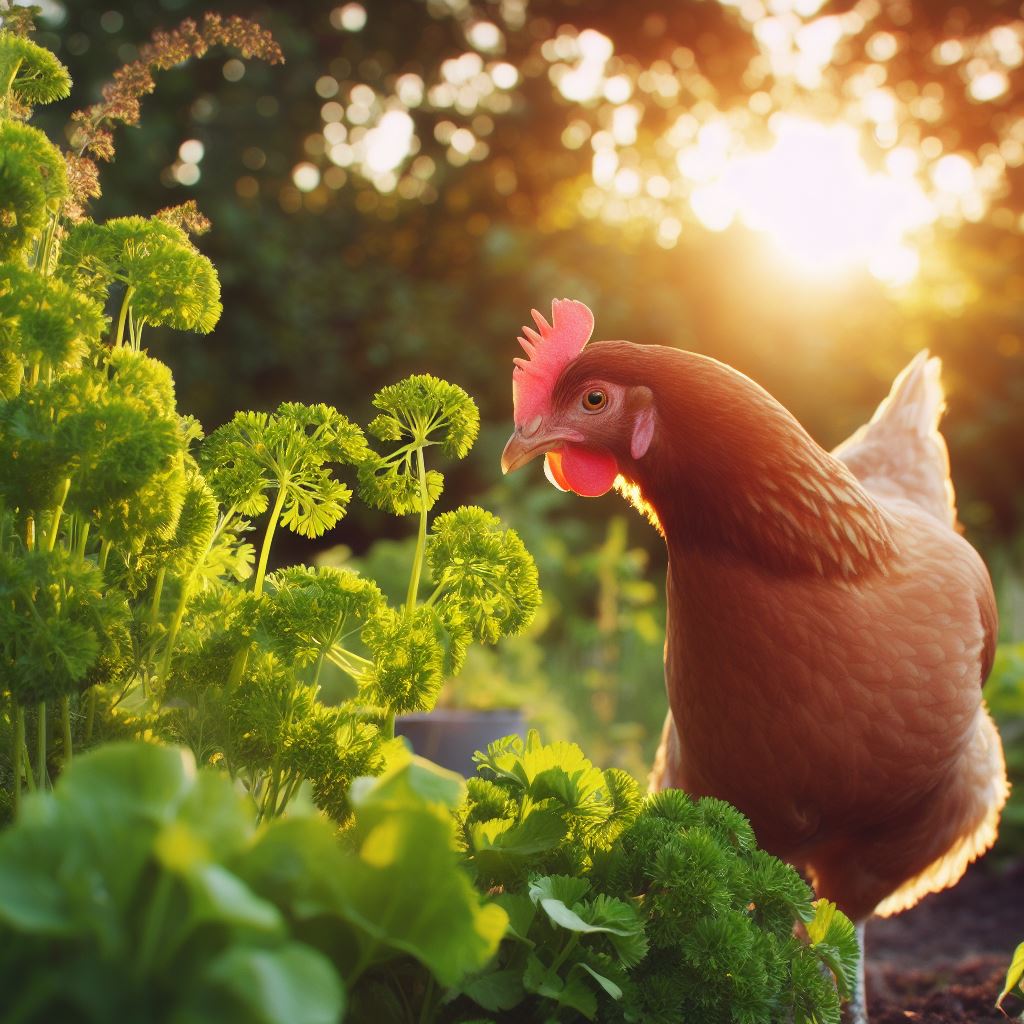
x=548 y=354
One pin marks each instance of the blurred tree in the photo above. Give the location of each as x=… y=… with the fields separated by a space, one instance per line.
x=420 y=173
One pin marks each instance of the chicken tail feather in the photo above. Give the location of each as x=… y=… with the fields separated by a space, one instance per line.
x=900 y=452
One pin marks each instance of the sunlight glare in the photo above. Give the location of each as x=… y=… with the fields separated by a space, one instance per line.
x=387 y=145
x=824 y=209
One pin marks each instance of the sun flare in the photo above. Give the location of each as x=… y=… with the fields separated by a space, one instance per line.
x=823 y=208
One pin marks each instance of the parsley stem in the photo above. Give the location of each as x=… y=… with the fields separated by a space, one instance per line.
x=18 y=713
x=421 y=537
x=172 y=635
x=83 y=538
x=268 y=537
x=65 y=717
x=26 y=760
x=6 y=87
x=158 y=589
x=51 y=536
x=41 y=746
x=352 y=664
x=46 y=245
x=129 y=294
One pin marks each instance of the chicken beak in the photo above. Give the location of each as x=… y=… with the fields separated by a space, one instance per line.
x=531 y=440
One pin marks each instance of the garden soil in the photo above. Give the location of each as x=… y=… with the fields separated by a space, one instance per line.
x=945 y=961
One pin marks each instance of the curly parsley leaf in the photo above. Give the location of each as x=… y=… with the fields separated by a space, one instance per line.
x=484 y=571
x=290 y=452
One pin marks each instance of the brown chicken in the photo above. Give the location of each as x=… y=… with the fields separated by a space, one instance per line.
x=828 y=630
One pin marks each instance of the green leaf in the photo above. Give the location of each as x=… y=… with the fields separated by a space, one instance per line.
x=292 y=984
x=308 y=611
x=606 y=983
x=219 y=896
x=401 y=841
x=408 y=662
x=498 y=990
x=484 y=571
x=170 y=282
x=623 y=924
x=414 y=781
x=418 y=411
x=292 y=450
x=572 y=992
x=32 y=899
x=35 y=73
x=1013 y=976
x=43 y=157
x=140 y=780
x=562 y=899
x=834 y=939
x=423 y=406
x=521 y=912
x=562 y=889
x=541 y=831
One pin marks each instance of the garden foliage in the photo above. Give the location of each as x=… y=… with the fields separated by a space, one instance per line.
x=141 y=890
x=138 y=601
x=625 y=907
x=134 y=599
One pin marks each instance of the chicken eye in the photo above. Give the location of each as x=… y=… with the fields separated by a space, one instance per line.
x=594 y=400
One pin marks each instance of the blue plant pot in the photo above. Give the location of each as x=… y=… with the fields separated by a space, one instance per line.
x=450 y=736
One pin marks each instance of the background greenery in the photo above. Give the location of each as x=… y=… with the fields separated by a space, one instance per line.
x=333 y=291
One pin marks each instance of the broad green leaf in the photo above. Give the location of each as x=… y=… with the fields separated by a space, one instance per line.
x=572 y=992
x=219 y=896
x=521 y=912
x=296 y=863
x=401 y=888
x=541 y=831
x=563 y=888
x=606 y=983
x=124 y=779
x=292 y=984
x=498 y=990
x=417 y=781
x=406 y=891
x=32 y=898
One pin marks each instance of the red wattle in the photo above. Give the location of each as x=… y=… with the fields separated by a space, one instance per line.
x=587 y=472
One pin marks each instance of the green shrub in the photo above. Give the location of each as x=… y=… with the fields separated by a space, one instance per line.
x=632 y=908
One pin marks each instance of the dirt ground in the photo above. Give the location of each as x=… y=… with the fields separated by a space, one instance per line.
x=944 y=961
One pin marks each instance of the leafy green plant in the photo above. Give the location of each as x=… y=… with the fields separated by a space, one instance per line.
x=259 y=709
x=632 y=908
x=139 y=889
x=132 y=600
x=100 y=497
